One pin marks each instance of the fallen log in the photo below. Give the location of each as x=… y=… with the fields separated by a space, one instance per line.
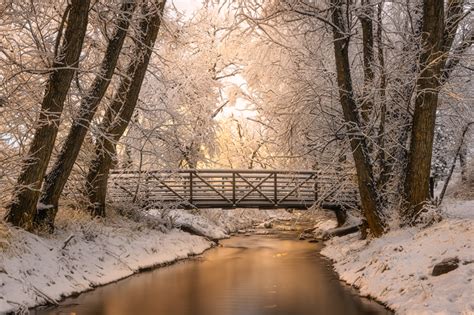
x=341 y=231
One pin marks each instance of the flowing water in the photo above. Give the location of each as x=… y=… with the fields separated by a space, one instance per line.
x=245 y=275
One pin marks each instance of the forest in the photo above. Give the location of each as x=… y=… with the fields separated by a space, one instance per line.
x=378 y=93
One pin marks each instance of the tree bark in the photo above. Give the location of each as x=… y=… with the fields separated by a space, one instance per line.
x=22 y=209
x=56 y=179
x=417 y=181
x=368 y=58
x=121 y=110
x=382 y=155
x=368 y=193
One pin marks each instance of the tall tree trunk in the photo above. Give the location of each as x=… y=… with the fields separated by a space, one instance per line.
x=368 y=193
x=417 y=181
x=437 y=65
x=27 y=190
x=365 y=18
x=56 y=179
x=398 y=108
x=382 y=155
x=121 y=110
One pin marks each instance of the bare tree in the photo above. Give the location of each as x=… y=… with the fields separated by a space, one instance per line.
x=438 y=35
x=57 y=177
x=120 y=112
x=386 y=101
x=22 y=209
x=370 y=200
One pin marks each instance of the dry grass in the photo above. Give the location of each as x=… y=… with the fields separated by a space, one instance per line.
x=5 y=232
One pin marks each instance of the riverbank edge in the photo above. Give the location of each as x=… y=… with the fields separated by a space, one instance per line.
x=248 y=231
x=81 y=256
x=395 y=270
x=138 y=271
x=36 y=293
x=351 y=286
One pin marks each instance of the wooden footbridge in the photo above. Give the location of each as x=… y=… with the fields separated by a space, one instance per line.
x=209 y=188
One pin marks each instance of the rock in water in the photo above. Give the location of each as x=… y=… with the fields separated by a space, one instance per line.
x=445 y=266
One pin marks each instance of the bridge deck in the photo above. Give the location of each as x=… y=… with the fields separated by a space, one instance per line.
x=225 y=188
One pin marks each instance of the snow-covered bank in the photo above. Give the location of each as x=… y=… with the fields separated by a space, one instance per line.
x=218 y=224
x=82 y=254
x=396 y=269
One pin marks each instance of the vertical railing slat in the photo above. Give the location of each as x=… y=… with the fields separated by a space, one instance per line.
x=275 y=189
x=233 y=188
x=191 y=187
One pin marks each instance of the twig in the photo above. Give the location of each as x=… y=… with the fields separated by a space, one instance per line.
x=453 y=165
x=67 y=241
x=45 y=296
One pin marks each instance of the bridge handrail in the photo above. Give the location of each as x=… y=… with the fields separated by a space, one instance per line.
x=231 y=187
x=203 y=170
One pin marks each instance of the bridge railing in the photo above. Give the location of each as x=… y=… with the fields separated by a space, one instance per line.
x=191 y=188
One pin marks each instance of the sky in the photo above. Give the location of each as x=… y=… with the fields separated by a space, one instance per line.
x=187 y=6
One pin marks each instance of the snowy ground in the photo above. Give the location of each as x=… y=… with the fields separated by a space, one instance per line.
x=396 y=268
x=84 y=253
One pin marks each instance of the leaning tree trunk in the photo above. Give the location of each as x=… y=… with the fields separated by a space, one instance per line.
x=368 y=193
x=366 y=17
x=22 y=209
x=121 y=110
x=56 y=179
x=382 y=156
x=437 y=39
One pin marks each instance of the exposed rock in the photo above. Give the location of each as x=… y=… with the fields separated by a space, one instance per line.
x=341 y=216
x=309 y=230
x=305 y=236
x=445 y=266
x=268 y=225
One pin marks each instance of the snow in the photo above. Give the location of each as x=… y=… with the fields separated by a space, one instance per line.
x=396 y=268
x=85 y=253
x=34 y=270
x=200 y=224
x=237 y=220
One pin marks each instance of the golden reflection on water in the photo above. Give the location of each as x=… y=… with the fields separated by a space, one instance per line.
x=256 y=275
